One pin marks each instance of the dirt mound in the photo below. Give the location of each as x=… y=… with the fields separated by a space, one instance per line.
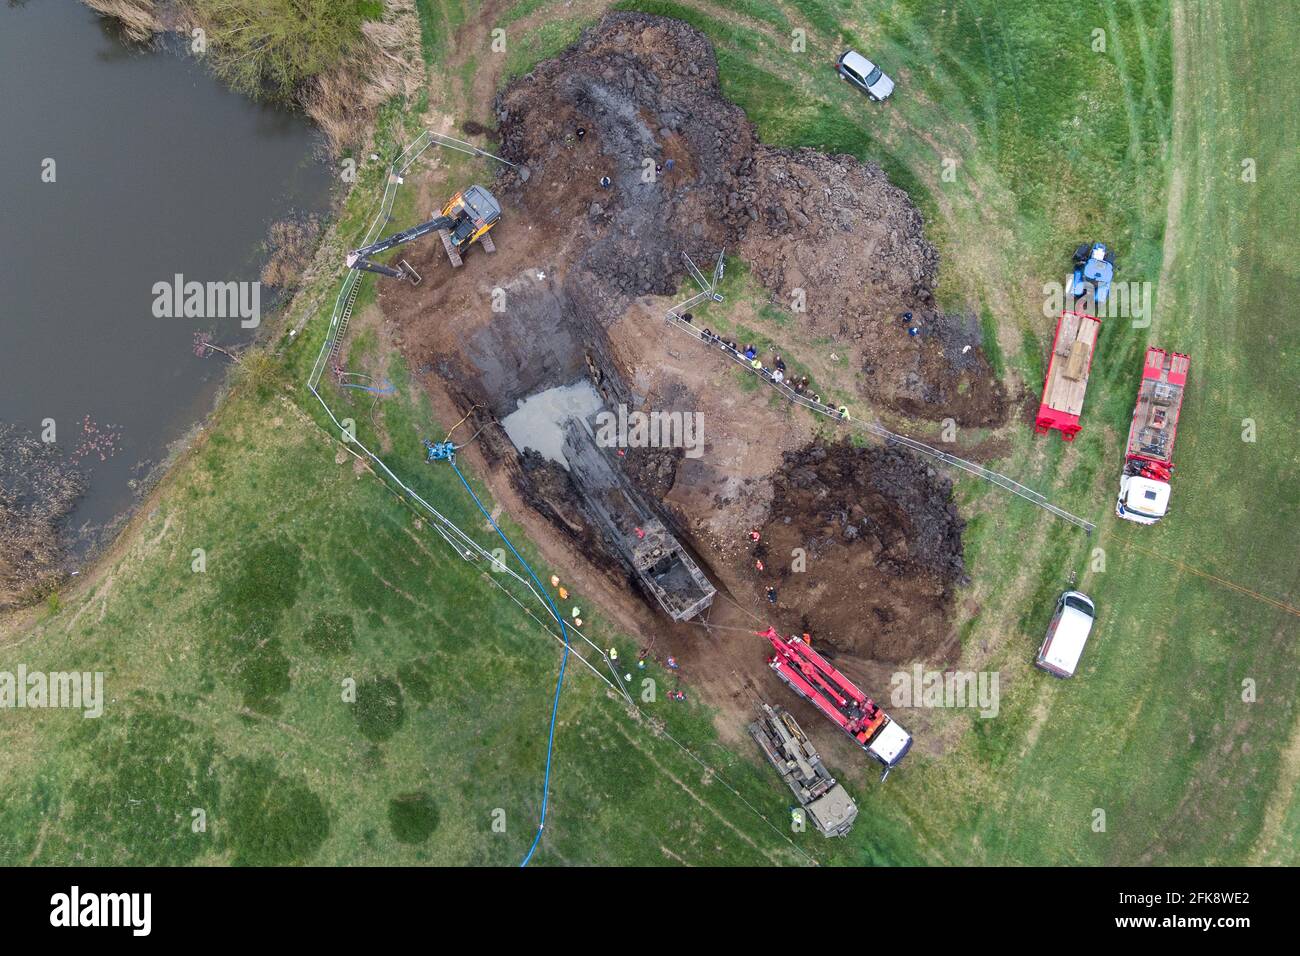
x=679 y=159
x=941 y=374
x=836 y=237
x=637 y=100
x=882 y=540
x=858 y=246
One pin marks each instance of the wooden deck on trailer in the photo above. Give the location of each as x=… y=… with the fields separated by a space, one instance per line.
x=1067 y=376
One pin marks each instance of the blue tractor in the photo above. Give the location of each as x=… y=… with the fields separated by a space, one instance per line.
x=1094 y=266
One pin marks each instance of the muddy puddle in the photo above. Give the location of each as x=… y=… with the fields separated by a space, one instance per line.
x=539 y=421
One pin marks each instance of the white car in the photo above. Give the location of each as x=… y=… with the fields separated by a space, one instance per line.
x=1067 y=634
x=864 y=74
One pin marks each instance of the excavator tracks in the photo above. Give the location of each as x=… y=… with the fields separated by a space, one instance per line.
x=452 y=255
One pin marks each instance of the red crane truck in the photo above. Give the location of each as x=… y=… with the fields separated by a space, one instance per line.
x=814 y=679
x=1149 y=458
x=1067 y=374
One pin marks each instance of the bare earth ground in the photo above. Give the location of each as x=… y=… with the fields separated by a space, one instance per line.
x=582 y=271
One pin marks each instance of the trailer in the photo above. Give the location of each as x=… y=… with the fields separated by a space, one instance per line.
x=789 y=750
x=1068 y=368
x=814 y=679
x=1149 y=458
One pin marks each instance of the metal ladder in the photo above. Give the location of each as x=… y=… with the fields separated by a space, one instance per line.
x=342 y=330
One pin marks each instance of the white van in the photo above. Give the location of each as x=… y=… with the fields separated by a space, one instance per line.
x=1067 y=634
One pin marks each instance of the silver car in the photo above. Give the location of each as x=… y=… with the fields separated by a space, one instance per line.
x=864 y=74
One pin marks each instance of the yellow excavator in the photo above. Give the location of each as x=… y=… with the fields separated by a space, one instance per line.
x=465 y=220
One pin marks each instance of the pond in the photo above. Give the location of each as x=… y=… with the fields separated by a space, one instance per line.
x=122 y=168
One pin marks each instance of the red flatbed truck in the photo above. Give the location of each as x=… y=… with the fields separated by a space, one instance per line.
x=1067 y=374
x=1149 y=458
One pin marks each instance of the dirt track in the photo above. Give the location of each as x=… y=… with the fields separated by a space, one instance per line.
x=580 y=264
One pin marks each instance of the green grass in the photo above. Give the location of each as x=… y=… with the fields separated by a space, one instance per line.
x=235 y=704
x=1055 y=144
x=227 y=688
x=542 y=43
x=276 y=47
x=521 y=10
x=1173 y=648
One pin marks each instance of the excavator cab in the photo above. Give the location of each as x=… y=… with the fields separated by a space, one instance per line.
x=468 y=216
x=475 y=211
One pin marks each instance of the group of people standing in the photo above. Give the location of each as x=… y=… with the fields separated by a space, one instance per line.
x=776 y=373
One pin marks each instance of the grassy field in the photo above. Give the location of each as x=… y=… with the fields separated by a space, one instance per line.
x=226 y=686
x=1056 y=141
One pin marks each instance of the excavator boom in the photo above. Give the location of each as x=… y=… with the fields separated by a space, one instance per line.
x=360 y=258
x=400 y=238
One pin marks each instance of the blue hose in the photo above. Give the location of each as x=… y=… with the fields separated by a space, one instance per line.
x=446 y=450
x=373 y=389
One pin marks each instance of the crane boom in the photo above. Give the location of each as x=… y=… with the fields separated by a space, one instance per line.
x=818 y=681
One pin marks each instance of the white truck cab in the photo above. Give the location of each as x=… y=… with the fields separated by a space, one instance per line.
x=1067 y=634
x=890 y=745
x=1144 y=500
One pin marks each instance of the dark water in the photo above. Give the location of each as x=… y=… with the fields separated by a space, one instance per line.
x=159 y=170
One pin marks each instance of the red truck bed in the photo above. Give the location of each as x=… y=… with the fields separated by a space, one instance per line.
x=1160 y=398
x=1068 y=368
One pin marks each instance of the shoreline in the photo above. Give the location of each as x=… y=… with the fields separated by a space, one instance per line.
x=82 y=550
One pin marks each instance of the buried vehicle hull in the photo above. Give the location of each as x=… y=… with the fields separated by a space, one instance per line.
x=665 y=569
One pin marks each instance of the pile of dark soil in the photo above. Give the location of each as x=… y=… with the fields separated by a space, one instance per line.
x=644 y=91
x=882 y=539
x=686 y=173
x=840 y=231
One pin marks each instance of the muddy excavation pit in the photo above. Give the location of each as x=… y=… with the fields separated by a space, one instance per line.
x=566 y=298
x=865 y=548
